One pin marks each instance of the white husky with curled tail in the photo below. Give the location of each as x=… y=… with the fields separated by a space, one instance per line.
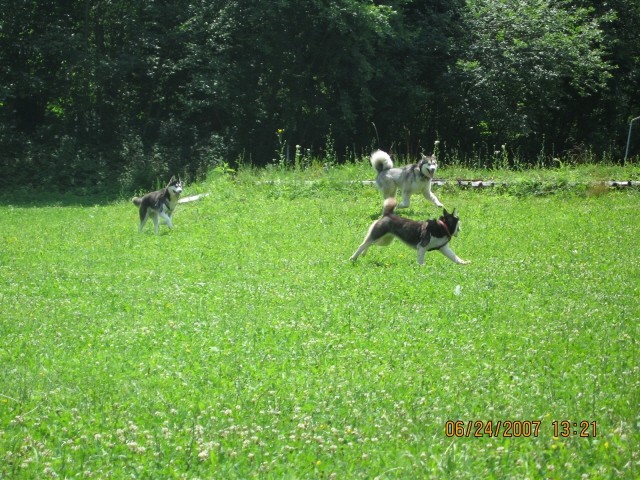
x=410 y=179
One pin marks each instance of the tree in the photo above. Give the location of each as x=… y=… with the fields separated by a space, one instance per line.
x=524 y=63
x=299 y=67
x=92 y=91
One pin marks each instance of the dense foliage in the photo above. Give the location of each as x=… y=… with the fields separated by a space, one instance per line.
x=96 y=93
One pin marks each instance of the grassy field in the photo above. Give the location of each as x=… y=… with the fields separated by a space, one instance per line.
x=244 y=343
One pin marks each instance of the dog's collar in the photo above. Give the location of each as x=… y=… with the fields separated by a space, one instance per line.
x=446 y=228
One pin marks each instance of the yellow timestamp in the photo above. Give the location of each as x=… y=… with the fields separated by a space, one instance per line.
x=519 y=428
x=567 y=428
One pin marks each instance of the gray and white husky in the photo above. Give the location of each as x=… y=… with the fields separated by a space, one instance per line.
x=423 y=236
x=409 y=179
x=161 y=203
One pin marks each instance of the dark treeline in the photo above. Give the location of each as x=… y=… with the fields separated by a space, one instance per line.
x=94 y=92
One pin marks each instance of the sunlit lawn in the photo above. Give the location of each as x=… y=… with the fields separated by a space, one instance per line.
x=245 y=344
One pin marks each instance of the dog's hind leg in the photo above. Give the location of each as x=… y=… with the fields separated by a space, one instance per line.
x=406 y=199
x=447 y=252
x=143 y=219
x=362 y=250
x=384 y=240
x=366 y=243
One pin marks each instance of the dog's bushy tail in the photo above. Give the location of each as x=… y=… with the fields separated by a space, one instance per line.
x=389 y=206
x=381 y=161
x=136 y=201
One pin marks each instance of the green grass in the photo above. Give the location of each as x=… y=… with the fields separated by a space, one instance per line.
x=245 y=344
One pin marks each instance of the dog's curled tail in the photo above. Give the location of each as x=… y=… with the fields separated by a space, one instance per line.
x=381 y=161
x=389 y=206
x=136 y=201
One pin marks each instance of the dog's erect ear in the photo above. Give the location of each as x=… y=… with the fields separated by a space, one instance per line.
x=444 y=212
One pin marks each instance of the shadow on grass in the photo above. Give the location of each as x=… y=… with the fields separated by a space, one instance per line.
x=25 y=197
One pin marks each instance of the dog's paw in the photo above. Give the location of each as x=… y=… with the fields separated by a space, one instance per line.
x=465 y=262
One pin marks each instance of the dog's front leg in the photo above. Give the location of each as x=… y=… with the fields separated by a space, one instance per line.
x=430 y=196
x=421 y=253
x=447 y=252
x=167 y=219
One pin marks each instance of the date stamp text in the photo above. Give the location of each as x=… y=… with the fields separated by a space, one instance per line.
x=519 y=428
